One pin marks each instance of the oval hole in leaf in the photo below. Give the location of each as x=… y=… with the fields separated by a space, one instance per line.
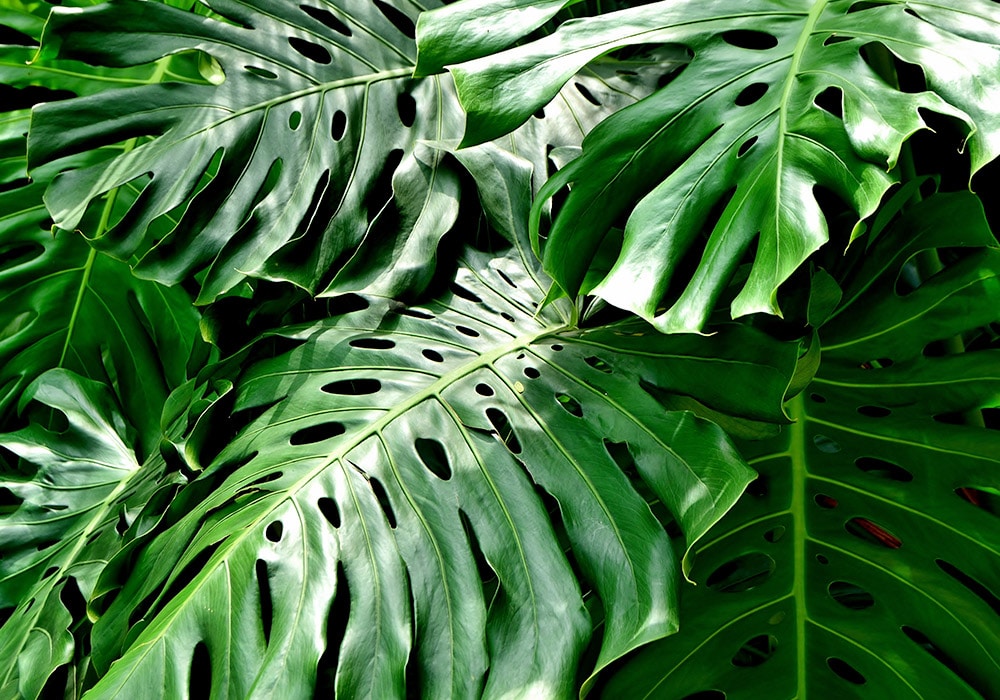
x=983 y=500
x=465 y=330
x=532 y=373
x=874 y=411
x=751 y=94
x=460 y=291
x=266 y=605
x=417 y=313
x=500 y=423
x=743 y=573
x=434 y=457
x=328 y=19
x=317 y=433
x=399 y=20
x=750 y=39
x=821 y=559
x=587 y=94
x=570 y=404
x=373 y=343
x=294 y=119
x=328 y=507
x=556 y=347
x=755 y=651
x=507 y=317
x=338 y=125
x=274 y=531
x=882 y=469
x=706 y=695
x=432 y=355
x=972 y=584
x=18 y=254
x=850 y=595
x=865 y=529
x=775 y=533
x=598 y=364
x=484 y=389
x=314 y=52
x=925 y=643
x=200 y=681
x=824 y=501
x=383 y=500
x=845 y=671
x=353 y=387
x=261 y=72
x=406 y=107
x=818 y=398
x=826 y=445
x=746 y=146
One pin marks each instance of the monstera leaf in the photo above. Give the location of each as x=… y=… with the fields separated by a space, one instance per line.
x=63 y=305
x=396 y=508
x=305 y=147
x=865 y=561
x=67 y=520
x=781 y=98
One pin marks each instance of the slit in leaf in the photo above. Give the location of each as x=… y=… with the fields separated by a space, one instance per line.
x=266 y=605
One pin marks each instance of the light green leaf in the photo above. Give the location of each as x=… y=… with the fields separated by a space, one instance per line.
x=304 y=157
x=69 y=520
x=779 y=99
x=439 y=454
x=865 y=561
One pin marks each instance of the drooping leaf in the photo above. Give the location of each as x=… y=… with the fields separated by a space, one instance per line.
x=64 y=305
x=302 y=164
x=64 y=522
x=865 y=561
x=402 y=454
x=780 y=98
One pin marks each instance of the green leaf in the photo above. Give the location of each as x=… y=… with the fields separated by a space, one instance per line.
x=779 y=99
x=68 y=521
x=303 y=164
x=865 y=560
x=402 y=494
x=64 y=305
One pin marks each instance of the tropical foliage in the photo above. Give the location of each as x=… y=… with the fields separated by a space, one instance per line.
x=505 y=348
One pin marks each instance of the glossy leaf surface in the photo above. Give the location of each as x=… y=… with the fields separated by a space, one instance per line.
x=864 y=561
x=781 y=98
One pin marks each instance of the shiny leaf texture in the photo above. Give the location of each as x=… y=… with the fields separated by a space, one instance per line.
x=404 y=488
x=301 y=162
x=59 y=525
x=865 y=560
x=63 y=305
x=781 y=98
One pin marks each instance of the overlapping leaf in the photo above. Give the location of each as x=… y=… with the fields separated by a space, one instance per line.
x=69 y=519
x=63 y=305
x=865 y=562
x=399 y=455
x=306 y=148
x=779 y=99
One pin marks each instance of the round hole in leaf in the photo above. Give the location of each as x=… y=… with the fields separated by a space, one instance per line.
x=845 y=671
x=532 y=373
x=755 y=651
x=882 y=469
x=274 y=531
x=484 y=390
x=317 y=433
x=851 y=595
x=556 y=347
x=826 y=445
x=741 y=573
x=353 y=387
x=432 y=355
x=434 y=457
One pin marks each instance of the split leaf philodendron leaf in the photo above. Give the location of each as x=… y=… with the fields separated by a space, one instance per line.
x=301 y=163
x=69 y=519
x=63 y=305
x=397 y=506
x=781 y=98
x=866 y=559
